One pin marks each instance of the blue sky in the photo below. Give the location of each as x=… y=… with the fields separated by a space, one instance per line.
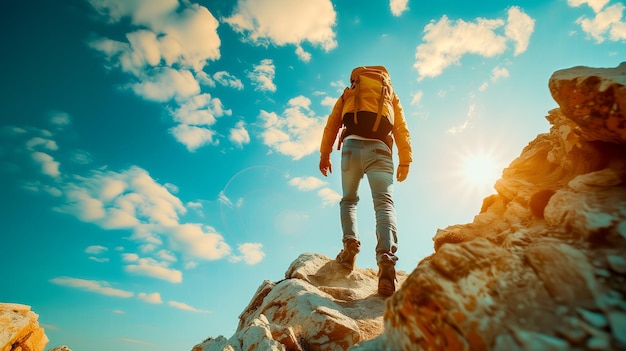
x=159 y=157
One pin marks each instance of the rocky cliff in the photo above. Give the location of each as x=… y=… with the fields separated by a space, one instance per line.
x=541 y=267
x=19 y=329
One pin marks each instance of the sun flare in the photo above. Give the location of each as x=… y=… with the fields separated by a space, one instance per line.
x=480 y=170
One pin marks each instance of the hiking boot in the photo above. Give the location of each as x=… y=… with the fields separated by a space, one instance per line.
x=386 y=276
x=347 y=256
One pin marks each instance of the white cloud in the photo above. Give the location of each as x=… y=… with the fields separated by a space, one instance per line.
x=194 y=204
x=60 y=119
x=200 y=110
x=339 y=85
x=608 y=23
x=519 y=27
x=465 y=124
x=204 y=79
x=99 y=287
x=499 y=72
x=164 y=84
x=154 y=298
x=48 y=165
x=173 y=33
x=328 y=101
x=296 y=133
x=286 y=22
x=596 y=5
x=140 y=11
x=36 y=142
x=307 y=184
x=130 y=257
x=81 y=157
x=95 y=249
x=149 y=247
x=302 y=54
x=445 y=41
x=239 y=135
x=228 y=80
x=38 y=186
x=398 y=6
x=193 y=137
x=185 y=307
x=224 y=200
x=262 y=76
x=618 y=31
x=166 y=256
x=329 y=196
x=111 y=187
x=82 y=205
x=416 y=97
x=134 y=201
x=458 y=128
x=172 y=188
x=198 y=242
x=251 y=253
x=152 y=268
x=165 y=56
x=128 y=199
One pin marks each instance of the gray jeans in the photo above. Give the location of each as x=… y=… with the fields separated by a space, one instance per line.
x=371 y=158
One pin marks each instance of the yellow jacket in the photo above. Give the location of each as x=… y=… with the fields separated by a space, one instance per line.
x=400 y=132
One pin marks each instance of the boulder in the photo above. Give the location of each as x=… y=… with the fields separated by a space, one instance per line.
x=320 y=305
x=19 y=329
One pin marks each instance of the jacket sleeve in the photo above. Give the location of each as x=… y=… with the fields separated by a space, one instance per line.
x=332 y=128
x=401 y=133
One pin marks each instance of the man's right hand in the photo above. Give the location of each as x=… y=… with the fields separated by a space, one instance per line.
x=326 y=166
x=402 y=172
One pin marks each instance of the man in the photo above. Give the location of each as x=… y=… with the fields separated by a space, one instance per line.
x=371 y=114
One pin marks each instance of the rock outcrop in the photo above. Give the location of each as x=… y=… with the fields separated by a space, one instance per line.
x=320 y=305
x=541 y=267
x=61 y=348
x=19 y=329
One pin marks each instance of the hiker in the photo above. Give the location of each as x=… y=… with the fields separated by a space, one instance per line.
x=372 y=119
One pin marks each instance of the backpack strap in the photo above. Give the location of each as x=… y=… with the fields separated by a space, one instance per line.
x=357 y=89
x=383 y=92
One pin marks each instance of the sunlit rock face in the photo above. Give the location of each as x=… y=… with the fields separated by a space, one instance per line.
x=541 y=267
x=19 y=329
x=320 y=305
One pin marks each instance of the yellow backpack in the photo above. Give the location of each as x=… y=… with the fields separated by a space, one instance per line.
x=370 y=91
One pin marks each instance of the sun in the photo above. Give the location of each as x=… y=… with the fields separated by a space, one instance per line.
x=480 y=170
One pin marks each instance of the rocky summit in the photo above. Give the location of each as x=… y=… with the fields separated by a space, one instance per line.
x=541 y=267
